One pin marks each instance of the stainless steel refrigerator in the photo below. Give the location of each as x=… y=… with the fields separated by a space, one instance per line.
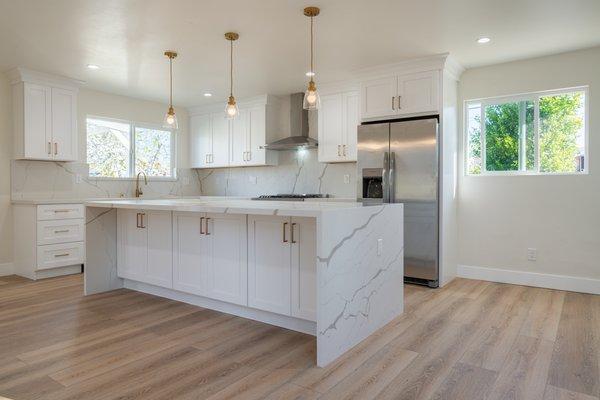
x=398 y=162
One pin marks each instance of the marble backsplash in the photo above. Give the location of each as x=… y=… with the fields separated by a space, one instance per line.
x=297 y=172
x=59 y=180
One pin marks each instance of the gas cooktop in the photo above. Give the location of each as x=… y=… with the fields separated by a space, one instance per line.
x=289 y=197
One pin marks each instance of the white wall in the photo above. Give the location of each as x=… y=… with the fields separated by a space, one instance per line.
x=5 y=155
x=499 y=217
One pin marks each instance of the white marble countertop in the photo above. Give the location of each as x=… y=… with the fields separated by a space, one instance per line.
x=230 y=206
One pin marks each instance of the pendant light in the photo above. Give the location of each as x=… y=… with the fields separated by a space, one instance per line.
x=312 y=100
x=231 y=110
x=170 y=121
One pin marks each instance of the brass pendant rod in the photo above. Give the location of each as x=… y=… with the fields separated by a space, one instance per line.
x=231 y=69
x=312 y=69
x=171 y=82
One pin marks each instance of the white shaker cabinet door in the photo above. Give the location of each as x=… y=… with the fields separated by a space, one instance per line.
x=200 y=141
x=257 y=136
x=330 y=128
x=303 y=241
x=240 y=132
x=269 y=263
x=189 y=252
x=226 y=258
x=418 y=93
x=37 y=122
x=379 y=97
x=220 y=137
x=159 y=268
x=64 y=125
x=132 y=245
x=350 y=122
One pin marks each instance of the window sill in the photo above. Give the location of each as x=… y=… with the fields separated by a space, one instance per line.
x=584 y=173
x=150 y=179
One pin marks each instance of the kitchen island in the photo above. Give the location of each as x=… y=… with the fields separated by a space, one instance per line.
x=329 y=269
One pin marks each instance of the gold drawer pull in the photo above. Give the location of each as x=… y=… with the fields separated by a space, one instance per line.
x=207 y=221
x=284 y=239
x=292 y=229
x=62 y=231
x=62 y=255
x=61 y=211
x=201 y=220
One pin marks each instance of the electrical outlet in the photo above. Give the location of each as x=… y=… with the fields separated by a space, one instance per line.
x=346 y=179
x=531 y=254
x=379 y=246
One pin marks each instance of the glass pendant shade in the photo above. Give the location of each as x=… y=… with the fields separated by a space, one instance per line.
x=312 y=101
x=170 y=120
x=231 y=110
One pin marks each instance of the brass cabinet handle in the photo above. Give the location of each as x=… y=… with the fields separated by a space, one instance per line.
x=62 y=231
x=293 y=226
x=140 y=220
x=339 y=154
x=55 y=148
x=344 y=150
x=284 y=240
x=393 y=98
x=201 y=220
x=206 y=225
x=399 y=103
x=249 y=156
x=137 y=220
x=62 y=255
x=49 y=148
x=61 y=211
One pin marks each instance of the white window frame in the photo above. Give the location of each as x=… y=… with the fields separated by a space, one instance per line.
x=535 y=98
x=131 y=171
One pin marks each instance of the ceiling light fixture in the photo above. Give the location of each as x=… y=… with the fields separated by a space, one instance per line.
x=310 y=73
x=483 y=40
x=231 y=110
x=170 y=121
x=93 y=66
x=311 y=96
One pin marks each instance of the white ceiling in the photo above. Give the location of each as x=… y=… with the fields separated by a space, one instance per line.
x=127 y=39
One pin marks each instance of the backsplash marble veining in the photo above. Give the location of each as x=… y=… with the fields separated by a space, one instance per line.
x=297 y=172
x=58 y=180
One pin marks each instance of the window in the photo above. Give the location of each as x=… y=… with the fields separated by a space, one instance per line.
x=537 y=133
x=121 y=149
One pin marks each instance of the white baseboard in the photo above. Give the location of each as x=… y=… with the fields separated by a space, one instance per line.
x=549 y=281
x=6 y=269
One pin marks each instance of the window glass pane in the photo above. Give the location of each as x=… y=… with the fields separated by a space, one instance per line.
x=153 y=152
x=108 y=145
x=562 y=132
x=509 y=135
x=474 y=137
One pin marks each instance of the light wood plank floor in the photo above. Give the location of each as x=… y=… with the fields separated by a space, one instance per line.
x=469 y=340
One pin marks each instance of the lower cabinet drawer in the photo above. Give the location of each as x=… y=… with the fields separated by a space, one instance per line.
x=60 y=231
x=47 y=212
x=60 y=255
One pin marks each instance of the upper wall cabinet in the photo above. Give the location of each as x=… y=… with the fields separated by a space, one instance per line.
x=338 y=119
x=45 y=116
x=400 y=95
x=218 y=142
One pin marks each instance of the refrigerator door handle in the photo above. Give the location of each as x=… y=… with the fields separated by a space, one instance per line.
x=385 y=177
x=392 y=177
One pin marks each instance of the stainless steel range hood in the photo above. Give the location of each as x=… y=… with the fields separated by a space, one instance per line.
x=298 y=138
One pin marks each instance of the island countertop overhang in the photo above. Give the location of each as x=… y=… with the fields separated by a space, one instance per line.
x=281 y=208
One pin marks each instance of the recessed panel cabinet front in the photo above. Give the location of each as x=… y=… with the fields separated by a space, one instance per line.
x=226 y=258
x=282 y=265
x=144 y=250
x=210 y=256
x=189 y=253
x=269 y=263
